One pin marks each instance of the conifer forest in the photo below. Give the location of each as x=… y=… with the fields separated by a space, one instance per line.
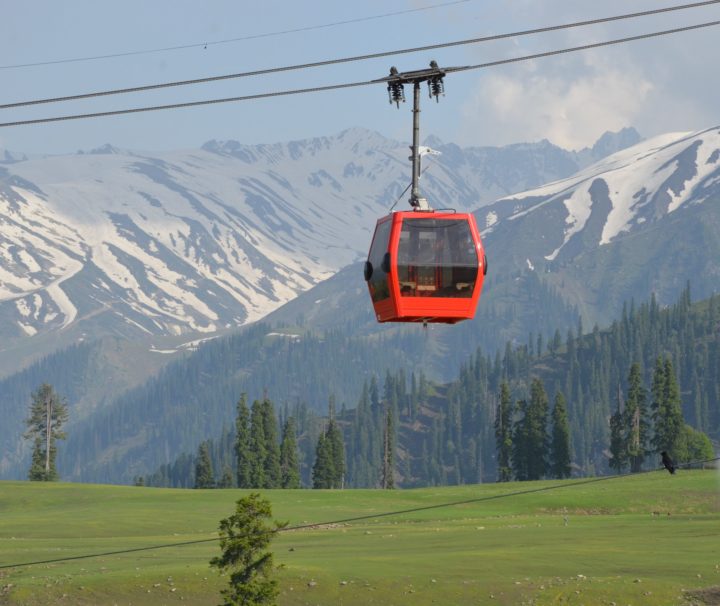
x=584 y=403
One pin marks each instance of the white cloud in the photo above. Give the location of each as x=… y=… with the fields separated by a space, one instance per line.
x=572 y=107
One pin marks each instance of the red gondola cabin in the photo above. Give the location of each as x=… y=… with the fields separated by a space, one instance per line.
x=425 y=267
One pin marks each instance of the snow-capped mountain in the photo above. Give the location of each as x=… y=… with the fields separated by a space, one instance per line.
x=643 y=219
x=8 y=157
x=120 y=242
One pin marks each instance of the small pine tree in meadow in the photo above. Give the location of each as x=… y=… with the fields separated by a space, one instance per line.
x=244 y=540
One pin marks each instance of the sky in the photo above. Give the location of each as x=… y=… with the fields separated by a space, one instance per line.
x=660 y=85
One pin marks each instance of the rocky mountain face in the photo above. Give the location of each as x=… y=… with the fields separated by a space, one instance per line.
x=189 y=243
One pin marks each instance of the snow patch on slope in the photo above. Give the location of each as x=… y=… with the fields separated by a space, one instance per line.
x=579 y=206
x=671 y=165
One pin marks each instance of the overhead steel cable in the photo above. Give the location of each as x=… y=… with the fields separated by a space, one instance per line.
x=371 y=516
x=301 y=66
x=135 y=110
x=330 y=87
x=238 y=39
x=666 y=32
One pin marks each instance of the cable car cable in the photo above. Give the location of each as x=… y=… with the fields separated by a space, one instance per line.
x=352 y=84
x=372 y=516
x=358 y=84
x=365 y=57
x=239 y=39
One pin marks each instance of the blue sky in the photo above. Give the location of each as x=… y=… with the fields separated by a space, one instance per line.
x=661 y=85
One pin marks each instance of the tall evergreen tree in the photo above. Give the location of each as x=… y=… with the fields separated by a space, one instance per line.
x=271 y=464
x=636 y=420
x=242 y=443
x=323 y=470
x=336 y=448
x=520 y=443
x=48 y=413
x=560 y=440
x=669 y=425
x=388 y=467
x=289 y=464
x=618 y=444
x=503 y=434
x=204 y=476
x=536 y=421
x=657 y=391
x=257 y=446
x=329 y=468
x=362 y=453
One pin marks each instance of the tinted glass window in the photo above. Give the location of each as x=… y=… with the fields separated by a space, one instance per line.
x=437 y=258
x=378 y=282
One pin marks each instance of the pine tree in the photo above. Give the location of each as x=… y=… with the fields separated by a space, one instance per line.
x=635 y=420
x=336 y=448
x=560 y=440
x=257 y=449
x=244 y=539
x=323 y=471
x=242 y=443
x=204 y=476
x=618 y=445
x=289 y=465
x=359 y=460
x=48 y=412
x=657 y=391
x=520 y=443
x=669 y=425
x=271 y=464
x=503 y=434
x=388 y=467
x=536 y=432
x=329 y=467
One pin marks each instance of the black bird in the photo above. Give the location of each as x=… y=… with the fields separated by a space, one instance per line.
x=668 y=462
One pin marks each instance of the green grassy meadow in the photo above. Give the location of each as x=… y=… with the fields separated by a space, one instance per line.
x=649 y=539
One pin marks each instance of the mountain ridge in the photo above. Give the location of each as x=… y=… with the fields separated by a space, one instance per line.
x=195 y=242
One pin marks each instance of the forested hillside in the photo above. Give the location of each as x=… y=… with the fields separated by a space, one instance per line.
x=445 y=434
x=194 y=398
x=317 y=346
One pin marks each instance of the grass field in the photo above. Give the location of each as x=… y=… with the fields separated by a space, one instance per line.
x=650 y=539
